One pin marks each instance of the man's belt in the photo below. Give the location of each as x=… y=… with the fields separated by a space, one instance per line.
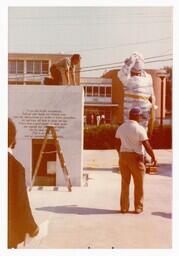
x=134 y=96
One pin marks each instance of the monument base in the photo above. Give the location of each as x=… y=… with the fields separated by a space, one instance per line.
x=33 y=108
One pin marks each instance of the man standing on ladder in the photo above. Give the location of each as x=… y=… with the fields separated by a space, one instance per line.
x=138 y=90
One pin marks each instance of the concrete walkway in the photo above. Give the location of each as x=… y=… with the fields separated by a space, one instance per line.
x=89 y=217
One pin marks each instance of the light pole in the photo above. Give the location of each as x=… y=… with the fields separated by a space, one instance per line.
x=162 y=74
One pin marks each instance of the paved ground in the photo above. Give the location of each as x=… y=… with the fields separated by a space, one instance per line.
x=88 y=216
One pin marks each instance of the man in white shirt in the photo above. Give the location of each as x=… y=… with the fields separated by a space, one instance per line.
x=132 y=138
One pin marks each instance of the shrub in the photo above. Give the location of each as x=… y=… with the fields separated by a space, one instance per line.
x=99 y=137
x=162 y=137
x=103 y=137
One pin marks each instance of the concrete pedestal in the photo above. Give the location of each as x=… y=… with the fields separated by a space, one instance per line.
x=32 y=108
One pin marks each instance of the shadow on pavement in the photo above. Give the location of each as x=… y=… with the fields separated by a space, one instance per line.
x=74 y=209
x=163 y=214
x=113 y=169
x=165 y=170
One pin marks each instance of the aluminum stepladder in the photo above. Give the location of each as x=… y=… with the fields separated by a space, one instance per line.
x=51 y=128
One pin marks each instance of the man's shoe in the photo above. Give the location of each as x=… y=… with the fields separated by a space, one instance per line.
x=124 y=211
x=35 y=232
x=138 y=211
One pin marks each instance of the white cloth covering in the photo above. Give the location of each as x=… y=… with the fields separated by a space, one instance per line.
x=137 y=89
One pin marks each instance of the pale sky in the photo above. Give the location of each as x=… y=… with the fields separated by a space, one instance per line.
x=102 y=35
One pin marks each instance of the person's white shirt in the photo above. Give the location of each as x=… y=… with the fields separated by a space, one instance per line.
x=131 y=134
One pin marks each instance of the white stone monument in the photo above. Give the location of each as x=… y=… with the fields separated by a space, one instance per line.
x=32 y=108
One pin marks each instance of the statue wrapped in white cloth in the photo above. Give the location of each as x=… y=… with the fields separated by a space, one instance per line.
x=138 y=88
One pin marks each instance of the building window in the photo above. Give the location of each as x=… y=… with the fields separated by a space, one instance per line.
x=102 y=92
x=16 y=66
x=29 y=67
x=37 y=66
x=98 y=91
x=20 y=66
x=45 y=66
x=95 y=91
x=108 y=92
x=12 y=66
x=89 y=91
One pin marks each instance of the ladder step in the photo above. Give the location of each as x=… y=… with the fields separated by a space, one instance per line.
x=59 y=152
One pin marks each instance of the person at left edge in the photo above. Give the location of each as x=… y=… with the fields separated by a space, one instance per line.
x=20 y=218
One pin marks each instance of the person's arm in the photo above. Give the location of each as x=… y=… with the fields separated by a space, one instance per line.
x=73 y=73
x=149 y=150
x=67 y=76
x=117 y=144
x=124 y=73
x=73 y=77
x=67 y=64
